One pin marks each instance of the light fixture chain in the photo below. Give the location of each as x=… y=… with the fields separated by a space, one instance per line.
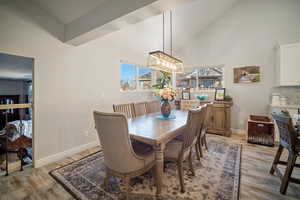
x=171 y=33
x=163 y=32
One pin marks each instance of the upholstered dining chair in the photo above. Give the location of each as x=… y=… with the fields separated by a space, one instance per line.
x=121 y=158
x=201 y=141
x=139 y=109
x=181 y=150
x=152 y=107
x=127 y=109
x=288 y=140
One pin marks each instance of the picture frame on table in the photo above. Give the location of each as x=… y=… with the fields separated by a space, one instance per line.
x=220 y=94
x=186 y=95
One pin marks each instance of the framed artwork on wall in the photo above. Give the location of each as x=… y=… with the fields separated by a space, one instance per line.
x=247 y=74
x=220 y=94
x=186 y=95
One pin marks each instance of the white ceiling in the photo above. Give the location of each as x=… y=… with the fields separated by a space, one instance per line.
x=188 y=21
x=190 y=17
x=67 y=11
x=15 y=67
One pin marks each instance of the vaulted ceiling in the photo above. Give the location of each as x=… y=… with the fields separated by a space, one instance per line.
x=89 y=19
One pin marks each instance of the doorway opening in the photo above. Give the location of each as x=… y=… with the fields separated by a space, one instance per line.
x=16 y=112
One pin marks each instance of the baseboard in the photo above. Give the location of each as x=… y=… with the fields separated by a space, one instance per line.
x=238 y=131
x=62 y=155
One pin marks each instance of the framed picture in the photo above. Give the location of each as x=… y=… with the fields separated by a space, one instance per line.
x=220 y=94
x=186 y=95
x=247 y=74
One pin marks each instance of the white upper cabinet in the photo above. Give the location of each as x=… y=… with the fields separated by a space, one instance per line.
x=288 y=65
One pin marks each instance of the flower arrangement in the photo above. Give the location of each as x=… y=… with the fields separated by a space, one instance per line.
x=166 y=94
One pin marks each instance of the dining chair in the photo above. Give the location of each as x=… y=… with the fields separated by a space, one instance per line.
x=181 y=150
x=139 y=109
x=201 y=141
x=127 y=109
x=288 y=140
x=121 y=158
x=152 y=107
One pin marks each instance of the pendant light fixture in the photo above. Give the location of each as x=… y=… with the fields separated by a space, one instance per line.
x=160 y=60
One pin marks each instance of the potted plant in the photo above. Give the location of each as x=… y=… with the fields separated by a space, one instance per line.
x=165 y=92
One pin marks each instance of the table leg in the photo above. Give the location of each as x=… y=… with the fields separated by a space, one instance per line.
x=159 y=167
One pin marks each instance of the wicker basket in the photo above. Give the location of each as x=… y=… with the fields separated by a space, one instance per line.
x=261 y=130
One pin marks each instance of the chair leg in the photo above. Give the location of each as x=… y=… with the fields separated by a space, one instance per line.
x=288 y=172
x=180 y=174
x=200 y=148
x=276 y=159
x=197 y=150
x=191 y=163
x=127 y=186
x=205 y=142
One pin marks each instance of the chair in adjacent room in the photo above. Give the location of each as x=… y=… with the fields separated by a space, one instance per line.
x=121 y=157
x=288 y=140
x=139 y=109
x=152 y=107
x=127 y=109
x=181 y=150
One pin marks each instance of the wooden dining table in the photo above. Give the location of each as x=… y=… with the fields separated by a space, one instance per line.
x=157 y=132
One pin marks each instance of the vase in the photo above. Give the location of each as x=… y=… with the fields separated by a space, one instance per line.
x=165 y=109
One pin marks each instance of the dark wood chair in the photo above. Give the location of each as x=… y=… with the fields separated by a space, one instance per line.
x=288 y=140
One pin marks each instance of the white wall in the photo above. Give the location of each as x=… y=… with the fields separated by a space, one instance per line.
x=70 y=82
x=246 y=35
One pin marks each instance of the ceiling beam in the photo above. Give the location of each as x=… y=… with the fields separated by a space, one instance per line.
x=114 y=15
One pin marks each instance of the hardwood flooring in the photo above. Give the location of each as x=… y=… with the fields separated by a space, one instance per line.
x=256 y=182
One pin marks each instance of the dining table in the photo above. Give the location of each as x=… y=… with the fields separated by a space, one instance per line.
x=157 y=131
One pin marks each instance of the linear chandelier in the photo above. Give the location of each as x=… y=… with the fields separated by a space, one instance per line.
x=159 y=60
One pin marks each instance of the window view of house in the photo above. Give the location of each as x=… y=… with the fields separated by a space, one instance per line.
x=144 y=78
x=200 y=78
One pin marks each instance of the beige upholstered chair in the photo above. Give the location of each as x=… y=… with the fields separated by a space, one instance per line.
x=153 y=107
x=121 y=158
x=139 y=109
x=127 y=109
x=180 y=150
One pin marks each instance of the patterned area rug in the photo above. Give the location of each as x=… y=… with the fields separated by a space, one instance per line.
x=217 y=177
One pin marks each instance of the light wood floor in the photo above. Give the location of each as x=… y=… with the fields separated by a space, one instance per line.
x=256 y=183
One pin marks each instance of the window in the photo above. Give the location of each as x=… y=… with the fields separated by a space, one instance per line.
x=135 y=78
x=128 y=77
x=145 y=78
x=200 y=78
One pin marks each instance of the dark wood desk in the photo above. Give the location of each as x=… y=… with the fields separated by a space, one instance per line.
x=157 y=132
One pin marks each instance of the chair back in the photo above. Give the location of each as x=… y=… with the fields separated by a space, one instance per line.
x=193 y=126
x=126 y=109
x=287 y=133
x=207 y=116
x=152 y=107
x=113 y=134
x=139 y=109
